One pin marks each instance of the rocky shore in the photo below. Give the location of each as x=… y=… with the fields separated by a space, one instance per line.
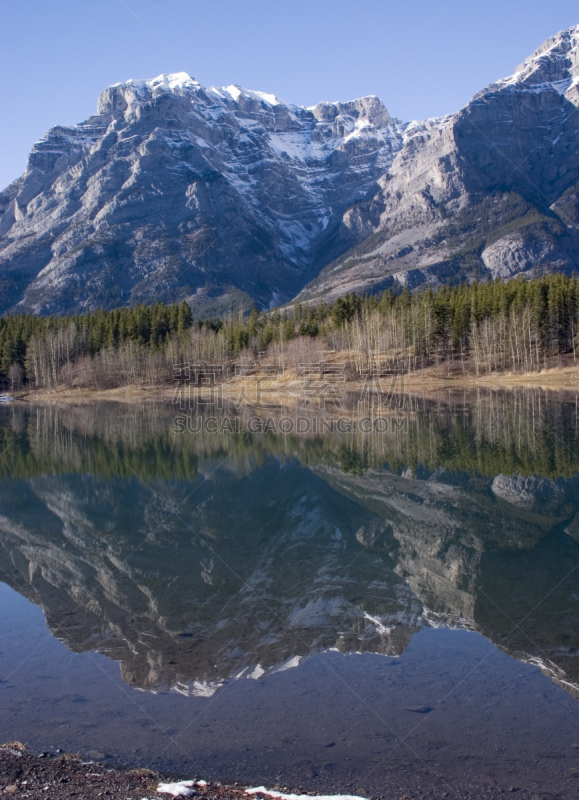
x=61 y=776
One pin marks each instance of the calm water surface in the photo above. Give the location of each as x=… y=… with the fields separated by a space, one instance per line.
x=349 y=611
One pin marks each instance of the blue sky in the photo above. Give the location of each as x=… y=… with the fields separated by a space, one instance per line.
x=423 y=58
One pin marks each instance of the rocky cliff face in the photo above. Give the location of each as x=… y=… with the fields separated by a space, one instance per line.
x=222 y=196
x=491 y=191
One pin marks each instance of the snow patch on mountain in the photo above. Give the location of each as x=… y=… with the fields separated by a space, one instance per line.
x=235 y=93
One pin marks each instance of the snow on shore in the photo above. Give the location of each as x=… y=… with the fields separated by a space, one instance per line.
x=185 y=789
x=282 y=796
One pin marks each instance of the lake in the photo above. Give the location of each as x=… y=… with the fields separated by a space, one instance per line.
x=356 y=599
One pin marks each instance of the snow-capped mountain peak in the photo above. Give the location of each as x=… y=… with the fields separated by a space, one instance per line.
x=167 y=154
x=552 y=67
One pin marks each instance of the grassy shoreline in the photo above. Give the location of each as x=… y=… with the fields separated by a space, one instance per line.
x=290 y=386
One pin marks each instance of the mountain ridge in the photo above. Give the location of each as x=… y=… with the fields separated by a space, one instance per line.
x=228 y=197
x=517 y=136
x=189 y=191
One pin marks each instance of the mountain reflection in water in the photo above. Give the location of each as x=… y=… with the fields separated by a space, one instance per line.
x=194 y=559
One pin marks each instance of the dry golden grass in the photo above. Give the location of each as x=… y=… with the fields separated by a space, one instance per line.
x=289 y=385
x=14 y=746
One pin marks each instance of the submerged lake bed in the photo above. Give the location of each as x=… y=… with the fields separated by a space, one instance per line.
x=386 y=608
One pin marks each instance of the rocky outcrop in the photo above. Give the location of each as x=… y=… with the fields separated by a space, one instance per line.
x=536 y=494
x=516 y=253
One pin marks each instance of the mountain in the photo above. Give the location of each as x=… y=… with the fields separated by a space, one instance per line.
x=222 y=196
x=228 y=197
x=492 y=191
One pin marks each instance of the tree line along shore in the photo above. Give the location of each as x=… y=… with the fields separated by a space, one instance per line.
x=518 y=326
